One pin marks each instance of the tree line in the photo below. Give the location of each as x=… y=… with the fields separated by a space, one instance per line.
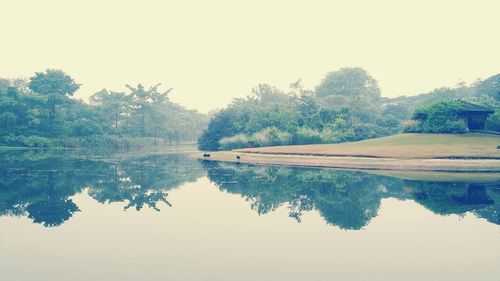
x=346 y=106
x=40 y=111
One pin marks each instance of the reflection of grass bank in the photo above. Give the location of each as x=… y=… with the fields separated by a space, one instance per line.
x=493 y=177
x=471 y=145
x=432 y=176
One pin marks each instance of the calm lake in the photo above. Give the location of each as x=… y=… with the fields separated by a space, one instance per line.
x=167 y=216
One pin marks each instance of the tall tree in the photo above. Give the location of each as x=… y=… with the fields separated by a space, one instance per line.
x=56 y=85
x=114 y=103
x=143 y=98
x=351 y=88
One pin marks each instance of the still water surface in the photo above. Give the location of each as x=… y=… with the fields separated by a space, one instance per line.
x=166 y=216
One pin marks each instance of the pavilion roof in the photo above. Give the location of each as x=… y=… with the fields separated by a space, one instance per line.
x=471 y=107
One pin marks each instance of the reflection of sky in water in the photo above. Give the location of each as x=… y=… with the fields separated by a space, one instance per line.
x=238 y=222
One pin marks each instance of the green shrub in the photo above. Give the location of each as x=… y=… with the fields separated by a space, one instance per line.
x=37 y=141
x=285 y=138
x=272 y=136
x=493 y=122
x=412 y=126
x=308 y=136
x=259 y=139
x=265 y=137
x=30 y=141
x=269 y=137
x=333 y=133
x=330 y=135
x=234 y=142
x=439 y=117
x=456 y=127
x=11 y=140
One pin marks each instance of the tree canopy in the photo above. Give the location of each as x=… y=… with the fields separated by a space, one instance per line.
x=345 y=106
x=40 y=111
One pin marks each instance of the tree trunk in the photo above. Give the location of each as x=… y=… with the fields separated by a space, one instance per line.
x=52 y=110
x=116 y=118
x=142 y=123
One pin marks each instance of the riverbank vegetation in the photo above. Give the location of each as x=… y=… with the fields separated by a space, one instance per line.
x=41 y=112
x=346 y=106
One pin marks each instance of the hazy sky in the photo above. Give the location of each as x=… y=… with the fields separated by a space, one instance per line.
x=213 y=51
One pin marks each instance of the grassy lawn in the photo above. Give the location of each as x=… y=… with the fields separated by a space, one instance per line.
x=401 y=146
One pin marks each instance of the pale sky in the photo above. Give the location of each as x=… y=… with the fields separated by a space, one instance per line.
x=213 y=51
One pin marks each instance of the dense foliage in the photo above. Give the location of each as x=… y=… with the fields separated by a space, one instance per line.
x=438 y=117
x=40 y=112
x=345 y=106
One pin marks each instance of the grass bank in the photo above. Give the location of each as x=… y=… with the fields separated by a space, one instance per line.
x=472 y=152
x=410 y=146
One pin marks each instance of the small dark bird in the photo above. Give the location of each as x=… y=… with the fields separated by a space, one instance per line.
x=206 y=155
x=238 y=157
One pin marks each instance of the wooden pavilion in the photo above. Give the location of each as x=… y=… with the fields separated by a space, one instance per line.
x=475 y=115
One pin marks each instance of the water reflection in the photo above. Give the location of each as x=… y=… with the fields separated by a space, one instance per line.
x=348 y=199
x=39 y=185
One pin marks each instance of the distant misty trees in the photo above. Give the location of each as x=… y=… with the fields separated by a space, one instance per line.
x=39 y=111
x=147 y=112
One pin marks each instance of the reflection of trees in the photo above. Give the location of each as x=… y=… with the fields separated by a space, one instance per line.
x=448 y=198
x=492 y=212
x=458 y=198
x=136 y=183
x=345 y=199
x=144 y=181
x=41 y=186
x=55 y=209
x=42 y=190
x=51 y=213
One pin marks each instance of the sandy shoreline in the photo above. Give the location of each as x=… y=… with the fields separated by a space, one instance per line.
x=361 y=163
